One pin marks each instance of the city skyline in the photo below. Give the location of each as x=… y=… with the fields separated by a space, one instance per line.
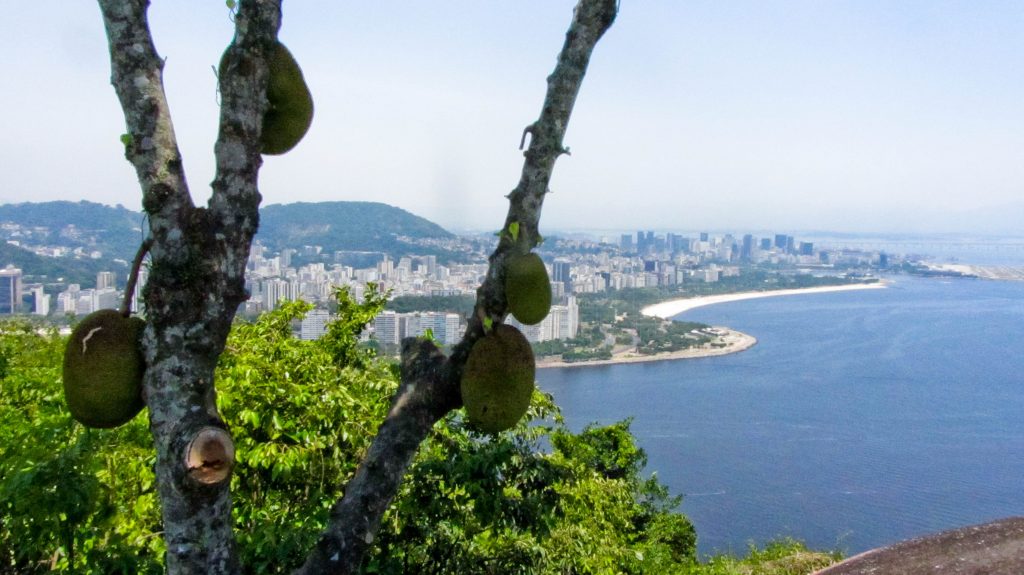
x=861 y=117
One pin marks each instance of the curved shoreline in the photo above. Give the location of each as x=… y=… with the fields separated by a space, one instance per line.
x=734 y=342
x=672 y=308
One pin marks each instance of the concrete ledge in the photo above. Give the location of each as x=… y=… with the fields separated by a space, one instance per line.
x=995 y=548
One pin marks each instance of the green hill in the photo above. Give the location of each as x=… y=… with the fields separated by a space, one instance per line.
x=355 y=226
x=48 y=271
x=116 y=232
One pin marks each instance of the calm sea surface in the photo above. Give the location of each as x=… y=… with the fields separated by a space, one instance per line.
x=859 y=419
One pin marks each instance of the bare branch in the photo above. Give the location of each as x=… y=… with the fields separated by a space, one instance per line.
x=137 y=76
x=133 y=276
x=430 y=383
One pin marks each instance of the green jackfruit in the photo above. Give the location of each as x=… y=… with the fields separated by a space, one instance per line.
x=291 y=105
x=103 y=369
x=527 y=288
x=498 y=379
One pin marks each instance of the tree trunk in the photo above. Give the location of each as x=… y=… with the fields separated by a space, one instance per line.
x=197 y=282
x=198 y=264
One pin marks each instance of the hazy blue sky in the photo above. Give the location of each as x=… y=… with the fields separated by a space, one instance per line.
x=856 y=115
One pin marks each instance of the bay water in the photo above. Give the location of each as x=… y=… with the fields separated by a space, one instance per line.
x=859 y=419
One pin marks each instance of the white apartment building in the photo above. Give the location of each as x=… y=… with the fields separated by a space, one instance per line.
x=40 y=301
x=562 y=322
x=391 y=327
x=314 y=325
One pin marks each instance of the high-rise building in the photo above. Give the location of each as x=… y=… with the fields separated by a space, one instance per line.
x=106 y=298
x=562 y=322
x=626 y=243
x=452 y=328
x=780 y=241
x=806 y=248
x=67 y=300
x=747 y=251
x=106 y=280
x=10 y=290
x=314 y=325
x=766 y=244
x=40 y=301
x=561 y=270
x=385 y=327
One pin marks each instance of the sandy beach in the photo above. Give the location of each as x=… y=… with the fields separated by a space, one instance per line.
x=727 y=340
x=670 y=309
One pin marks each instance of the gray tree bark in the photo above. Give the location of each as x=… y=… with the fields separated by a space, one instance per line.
x=198 y=256
x=197 y=283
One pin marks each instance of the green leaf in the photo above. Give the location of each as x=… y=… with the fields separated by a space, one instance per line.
x=513 y=230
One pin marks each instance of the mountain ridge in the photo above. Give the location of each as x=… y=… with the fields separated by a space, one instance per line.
x=61 y=238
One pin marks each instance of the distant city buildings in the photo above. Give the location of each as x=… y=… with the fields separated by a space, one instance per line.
x=10 y=290
x=390 y=327
x=642 y=259
x=562 y=322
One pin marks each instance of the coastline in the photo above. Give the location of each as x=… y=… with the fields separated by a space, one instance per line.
x=728 y=340
x=734 y=342
x=672 y=308
x=1007 y=273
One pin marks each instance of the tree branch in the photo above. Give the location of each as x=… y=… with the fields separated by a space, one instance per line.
x=430 y=382
x=197 y=279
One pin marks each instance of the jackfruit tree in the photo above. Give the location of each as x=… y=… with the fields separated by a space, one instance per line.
x=197 y=282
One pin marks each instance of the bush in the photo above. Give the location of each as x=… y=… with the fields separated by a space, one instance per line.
x=302 y=413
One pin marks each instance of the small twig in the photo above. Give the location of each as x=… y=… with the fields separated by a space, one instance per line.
x=526 y=130
x=133 y=276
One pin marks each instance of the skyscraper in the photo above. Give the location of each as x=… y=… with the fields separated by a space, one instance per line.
x=105 y=280
x=747 y=251
x=10 y=290
x=561 y=271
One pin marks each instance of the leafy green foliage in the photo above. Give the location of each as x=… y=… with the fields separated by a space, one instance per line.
x=301 y=414
x=781 y=557
x=71 y=499
x=536 y=499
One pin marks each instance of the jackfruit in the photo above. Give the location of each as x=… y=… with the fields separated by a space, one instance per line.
x=291 y=105
x=498 y=379
x=103 y=369
x=527 y=288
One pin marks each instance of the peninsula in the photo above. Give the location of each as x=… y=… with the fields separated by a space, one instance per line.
x=724 y=340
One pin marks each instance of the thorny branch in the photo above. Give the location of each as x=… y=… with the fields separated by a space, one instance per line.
x=430 y=382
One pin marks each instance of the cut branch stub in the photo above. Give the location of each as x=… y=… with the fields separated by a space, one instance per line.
x=210 y=456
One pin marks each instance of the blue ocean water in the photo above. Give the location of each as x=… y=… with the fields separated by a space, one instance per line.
x=859 y=419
